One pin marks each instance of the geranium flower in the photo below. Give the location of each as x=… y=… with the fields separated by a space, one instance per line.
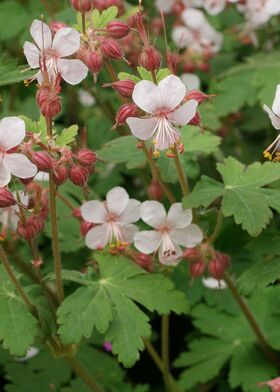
x=274 y=115
x=191 y=81
x=12 y=133
x=161 y=102
x=9 y=215
x=52 y=51
x=258 y=12
x=171 y=231
x=113 y=219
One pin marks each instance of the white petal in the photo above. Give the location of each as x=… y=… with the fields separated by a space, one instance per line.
x=20 y=166
x=147 y=241
x=276 y=102
x=172 y=259
x=128 y=231
x=165 y=5
x=178 y=217
x=153 y=213
x=12 y=132
x=146 y=96
x=32 y=54
x=193 y=18
x=5 y=175
x=131 y=212
x=274 y=119
x=185 y=113
x=41 y=34
x=214 y=284
x=96 y=238
x=172 y=91
x=72 y=71
x=117 y=200
x=142 y=128
x=214 y=7
x=94 y=211
x=66 y=41
x=189 y=237
x=182 y=37
x=191 y=81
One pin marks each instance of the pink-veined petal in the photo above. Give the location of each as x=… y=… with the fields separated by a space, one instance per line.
x=71 y=70
x=172 y=91
x=276 y=102
x=147 y=241
x=189 y=236
x=97 y=237
x=128 y=231
x=5 y=175
x=179 y=218
x=153 y=213
x=12 y=132
x=94 y=211
x=66 y=41
x=182 y=37
x=146 y=96
x=32 y=54
x=142 y=128
x=20 y=166
x=172 y=258
x=275 y=121
x=131 y=212
x=117 y=200
x=185 y=113
x=41 y=34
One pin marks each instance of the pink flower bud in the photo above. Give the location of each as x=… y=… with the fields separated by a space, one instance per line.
x=117 y=29
x=197 y=268
x=26 y=231
x=76 y=213
x=156 y=25
x=37 y=222
x=118 y=3
x=94 y=61
x=82 y=5
x=144 y=261
x=196 y=120
x=86 y=157
x=78 y=175
x=150 y=59
x=85 y=227
x=111 y=48
x=60 y=175
x=6 y=198
x=173 y=61
x=155 y=191
x=55 y=26
x=124 y=87
x=192 y=255
x=217 y=266
x=197 y=95
x=51 y=107
x=189 y=66
x=204 y=66
x=125 y=111
x=43 y=161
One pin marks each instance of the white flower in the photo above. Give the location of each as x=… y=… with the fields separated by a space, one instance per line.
x=214 y=7
x=274 y=116
x=65 y=43
x=171 y=231
x=214 y=284
x=85 y=98
x=258 y=12
x=12 y=133
x=161 y=103
x=191 y=81
x=197 y=34
x=9 y=215
x=113 y=219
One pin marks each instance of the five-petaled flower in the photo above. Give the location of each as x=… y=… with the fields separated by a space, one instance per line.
x=113 y=219
x=12 y=133
x=161 y=102
x=49 y=53
x=273 y=151
x=170 y=232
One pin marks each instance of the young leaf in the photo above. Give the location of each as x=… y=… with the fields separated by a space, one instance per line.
x=126 y=75
x=107 y=16
x=18 y=329
x=144 y=74
x=162 y=73
x=96 y=17
x=107 y=304
x=67 y=136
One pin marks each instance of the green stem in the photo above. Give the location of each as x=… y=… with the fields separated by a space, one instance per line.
x=181 y=175
x=252 y=321
x=84 y=375
x=218 y=227
x=165 y=350
x=84 y=23
x=54 y=228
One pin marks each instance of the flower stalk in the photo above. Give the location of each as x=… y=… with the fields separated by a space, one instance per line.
x=181 y=175
x=84 y=375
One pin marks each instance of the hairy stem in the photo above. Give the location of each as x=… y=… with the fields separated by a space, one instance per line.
x=252 y=321
x=165 y=350
x=54 y=228
x=181 y=175
x=218 y=227
x=84 y=375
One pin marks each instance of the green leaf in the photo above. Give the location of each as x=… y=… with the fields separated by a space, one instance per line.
x=18 y=328
x=144 y=74
x=123 y=150
x=11 y=26
x=107 y=16
x=95 y=17
x=126 y=75
x=243 y=195
x=162 y=73
x=195 y=141
x=107 y=304
x=9 y=71
x=67 y=136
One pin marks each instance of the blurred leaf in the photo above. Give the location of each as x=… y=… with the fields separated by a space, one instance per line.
x=196 y=141
x=13 y=19
x=10 y=73
x=67 y=136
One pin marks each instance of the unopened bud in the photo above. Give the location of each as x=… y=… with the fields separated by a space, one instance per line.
x=60 y=175
x=76 y=213
x=125 y=111
x=55 y=26
x=94 y=61
x=196 y=120
x=192 y=255
x=124 y=87
x=217 y=266
x=26 y=231
x=155 y=191
x=111 y=48
x=144 y=261
x=6 y=198
x=197 y=95
x=117 y=29
x=197 y=268
x=78 y=175
x=82 y=5
x=86 y=157
x=204 y=66
x=85 y=227
x=150 y=59
x=37 y=222
x=43 y=161
x=51 y=107
x=189 y=66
